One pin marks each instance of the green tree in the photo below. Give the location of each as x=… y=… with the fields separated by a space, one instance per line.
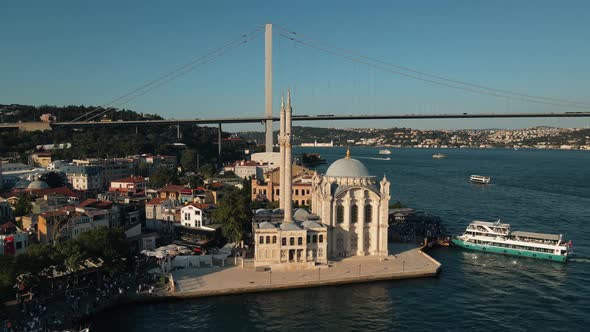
x=234 y=214
x=163 y=176
x=109 y=245
x=23 y=206
x=7 y=277
x=54 y=179
x=207 y=170
x=188 y=161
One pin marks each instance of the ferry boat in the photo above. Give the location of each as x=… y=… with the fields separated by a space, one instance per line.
x=385 y=151
x=498 y=238
x=480 y=179
x=439 y=156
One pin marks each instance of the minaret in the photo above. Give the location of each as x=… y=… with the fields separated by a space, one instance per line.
x=288 y=204
x=282 y=151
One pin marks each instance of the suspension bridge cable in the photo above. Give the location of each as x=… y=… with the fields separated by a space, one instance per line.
x=183 y=73
x=494 y=94
x=211 y=58
x=474 y=85
x=180 y=68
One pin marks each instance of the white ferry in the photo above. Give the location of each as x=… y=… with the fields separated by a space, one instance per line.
x=439 y=156
x=384 y=151
x=498 y=238
x=480 y=179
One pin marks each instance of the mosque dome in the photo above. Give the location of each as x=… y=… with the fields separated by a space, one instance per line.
x=37 y=185
x=22 y=184
x=348 y=167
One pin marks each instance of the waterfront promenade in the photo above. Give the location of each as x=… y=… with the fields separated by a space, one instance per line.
x=213 y=281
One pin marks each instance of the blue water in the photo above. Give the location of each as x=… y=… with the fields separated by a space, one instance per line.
x=541 y=191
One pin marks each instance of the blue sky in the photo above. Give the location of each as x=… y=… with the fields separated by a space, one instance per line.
x=77 y=52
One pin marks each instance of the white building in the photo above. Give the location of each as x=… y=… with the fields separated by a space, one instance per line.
x=350 y=214
x=84 y=177
x=14 y=244
x=348 y=200
x=195 y=215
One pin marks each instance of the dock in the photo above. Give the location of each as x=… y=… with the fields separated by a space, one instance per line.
x=214 y=281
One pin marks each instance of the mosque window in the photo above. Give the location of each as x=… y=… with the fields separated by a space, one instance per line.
x=368 y=214
x=292 y=241
x=320 y=252
x=274 y=239
x=261 y=240
x=354 y=213
x=284 y=241
x=314 y=239
x=321 y=238
x=267 y=239
x=300 y=241
x=340 y=214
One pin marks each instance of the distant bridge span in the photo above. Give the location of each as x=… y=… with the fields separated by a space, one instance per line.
x=321 y=118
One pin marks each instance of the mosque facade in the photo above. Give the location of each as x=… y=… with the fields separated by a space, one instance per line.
x=349 y=213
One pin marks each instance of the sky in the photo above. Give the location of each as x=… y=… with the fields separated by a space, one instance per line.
x=90 y=53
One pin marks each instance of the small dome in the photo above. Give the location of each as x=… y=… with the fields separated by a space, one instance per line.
x=22 y=184
x=348 y=168
x=301 y=214
x=37 y=185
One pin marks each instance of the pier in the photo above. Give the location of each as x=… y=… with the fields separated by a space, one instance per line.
x=213 y=281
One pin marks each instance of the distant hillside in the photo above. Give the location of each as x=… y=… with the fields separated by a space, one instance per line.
x=108 y=142
x=27 y=113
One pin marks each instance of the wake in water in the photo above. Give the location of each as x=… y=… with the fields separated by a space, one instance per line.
x=374 y=158
x=582 y=260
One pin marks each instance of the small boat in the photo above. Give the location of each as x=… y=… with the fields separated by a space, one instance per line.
x=496 y=237
x=480 y=179
x=439 y=156
x=384 y=151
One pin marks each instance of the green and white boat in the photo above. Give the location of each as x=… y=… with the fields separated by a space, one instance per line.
x=496 y=237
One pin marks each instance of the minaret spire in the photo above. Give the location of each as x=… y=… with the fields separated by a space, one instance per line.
x=288 y=204
x=282 y=154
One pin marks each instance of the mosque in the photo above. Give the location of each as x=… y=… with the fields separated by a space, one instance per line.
x=349 y=213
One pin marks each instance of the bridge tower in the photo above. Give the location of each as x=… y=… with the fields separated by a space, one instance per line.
x=268 y=142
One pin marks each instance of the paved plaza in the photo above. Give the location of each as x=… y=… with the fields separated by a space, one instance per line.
x=209 y=281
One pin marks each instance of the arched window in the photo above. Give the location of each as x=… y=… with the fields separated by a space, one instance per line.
x=261 y=240
x=314 y=239
x=267 y=239
x=354 y=214
x=340 y=214
x=292 y=241
x=284 y=241
x=274 y=239
x=368 y=213
x=321 y=240
x=300 y=241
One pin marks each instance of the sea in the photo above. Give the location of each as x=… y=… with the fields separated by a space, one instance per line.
x=533 y=190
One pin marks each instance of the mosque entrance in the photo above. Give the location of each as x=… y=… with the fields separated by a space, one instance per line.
x=291 y=255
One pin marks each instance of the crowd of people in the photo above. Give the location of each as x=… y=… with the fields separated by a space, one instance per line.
x=71 y=300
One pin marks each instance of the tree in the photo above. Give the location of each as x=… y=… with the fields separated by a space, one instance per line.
x=188 y=161
x=163 y=176
x=54 y=179
x=109 y=245
x=207 y=170
x=7 y=276
x=23 y=206
x=195 y=181
x=234 y=214
x=143 y=169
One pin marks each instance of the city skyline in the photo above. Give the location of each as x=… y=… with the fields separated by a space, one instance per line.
x=505 y=47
